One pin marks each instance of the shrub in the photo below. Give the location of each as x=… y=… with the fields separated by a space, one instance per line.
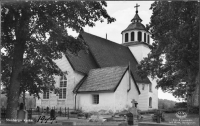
x=193 y=110
x=154 y=117
x=170 y=110
x=181 y=105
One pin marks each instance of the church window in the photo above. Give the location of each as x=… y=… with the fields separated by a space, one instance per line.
x=150 y=102
x=143 y=86
x=126 y=37
x=132 y=36
x=150 y=87
x=95 y=99
x=46 y=94
x=63 y=89
x=148 y=39
x=144 y=37
x=139 y=36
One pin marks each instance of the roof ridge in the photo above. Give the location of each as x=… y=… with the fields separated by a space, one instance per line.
x=109 y=67
x=101 y=38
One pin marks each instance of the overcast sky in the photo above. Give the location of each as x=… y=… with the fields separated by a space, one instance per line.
x=123 y=12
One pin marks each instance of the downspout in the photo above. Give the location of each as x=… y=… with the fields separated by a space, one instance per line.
x=129 y=73
x=75 y=100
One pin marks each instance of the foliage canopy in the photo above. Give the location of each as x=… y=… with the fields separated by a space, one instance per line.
x=33 y=34
x=174 y=54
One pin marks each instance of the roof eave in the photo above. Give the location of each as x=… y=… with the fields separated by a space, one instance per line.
x=121 y=79
x=134 y=43
x=135 y=29
x=100 y=91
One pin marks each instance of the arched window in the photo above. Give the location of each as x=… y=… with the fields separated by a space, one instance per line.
x=63 y=87
x=150 y=102
x=132 y=36
x=144 y=37
x=148 y=39
x=143 y=86
x=150 y=87
x=126 y=37
x=139 y=36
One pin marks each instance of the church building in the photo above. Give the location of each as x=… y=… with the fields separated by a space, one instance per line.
x=105 y=77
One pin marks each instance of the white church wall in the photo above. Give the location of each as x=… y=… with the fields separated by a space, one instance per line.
x=139 y=51
x=154 y=93
x=72 y=79
x=117 y=101
x=106 y=102
x=143 y=97
x=122 y=97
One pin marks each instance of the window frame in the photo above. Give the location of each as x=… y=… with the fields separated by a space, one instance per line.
x=46 y=94
x=95 y=99
x=139 y=36
x=150 y=102
x=62 y=87
x=150 y=87
x=143 y=86
x=126 y=37
x=132 y=36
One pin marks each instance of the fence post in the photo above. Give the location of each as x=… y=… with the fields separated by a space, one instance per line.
x=60 y=111
x=42 y=109
x=65 y=111
x=68 y=112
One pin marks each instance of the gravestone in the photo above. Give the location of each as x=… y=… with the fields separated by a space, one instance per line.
x=52 y=114
x=158 y=116
x=38 y=109
x=133 y=110
x=47 y=110
x=130 y=118
x=22 y=115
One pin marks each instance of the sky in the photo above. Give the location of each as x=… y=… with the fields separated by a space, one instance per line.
x=123 y=12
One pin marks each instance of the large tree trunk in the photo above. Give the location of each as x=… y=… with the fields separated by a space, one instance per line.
x=21 y=34
x=14 y=87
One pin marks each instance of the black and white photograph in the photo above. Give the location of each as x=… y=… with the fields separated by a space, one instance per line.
x=106 y=63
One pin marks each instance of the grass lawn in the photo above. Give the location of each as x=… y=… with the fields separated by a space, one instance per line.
x=190 y=120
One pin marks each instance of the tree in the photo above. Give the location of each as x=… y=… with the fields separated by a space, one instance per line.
x=174 y=54
x=33 y=34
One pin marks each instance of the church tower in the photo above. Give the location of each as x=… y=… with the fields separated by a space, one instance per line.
x=136 y=37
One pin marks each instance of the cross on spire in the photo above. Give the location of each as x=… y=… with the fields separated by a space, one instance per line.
x=136 y=7
x=133 y=103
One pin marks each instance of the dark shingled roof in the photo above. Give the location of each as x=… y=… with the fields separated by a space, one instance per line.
x=103 y=79
x=136 y=17
x=83 y=62
x=107 y=54
x=135 y=26
x=103 y=53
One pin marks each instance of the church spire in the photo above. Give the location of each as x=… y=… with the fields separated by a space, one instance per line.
x=136 y=17
x=136 y=7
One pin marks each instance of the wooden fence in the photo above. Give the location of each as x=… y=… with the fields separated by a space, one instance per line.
x=62 y=112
